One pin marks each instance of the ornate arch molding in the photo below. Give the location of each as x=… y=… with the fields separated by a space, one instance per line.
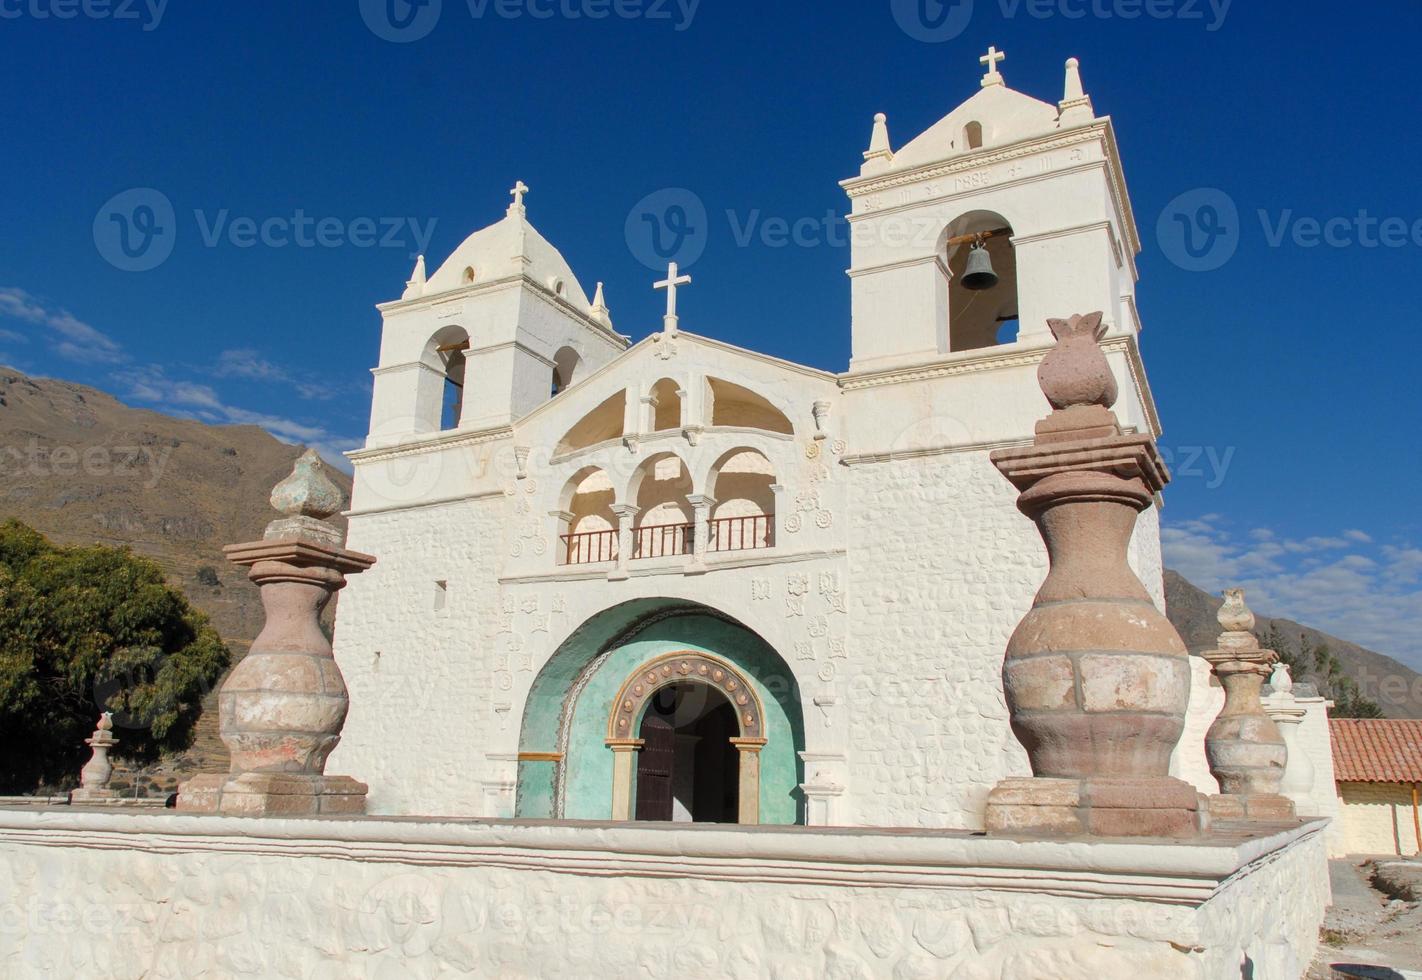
x=686 y=667
x=683 y=667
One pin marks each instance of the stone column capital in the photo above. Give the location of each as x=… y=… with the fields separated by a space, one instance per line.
x=625 y=744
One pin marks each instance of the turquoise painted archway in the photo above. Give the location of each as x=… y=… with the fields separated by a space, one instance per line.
x=566 y=767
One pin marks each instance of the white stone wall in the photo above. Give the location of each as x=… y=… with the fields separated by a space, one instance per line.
x=1376 y=818
x=1206 y=699
x=157 y=897
x=943 y=567
x=416 y=661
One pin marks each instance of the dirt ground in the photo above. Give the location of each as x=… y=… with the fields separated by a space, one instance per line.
x=1375 y=921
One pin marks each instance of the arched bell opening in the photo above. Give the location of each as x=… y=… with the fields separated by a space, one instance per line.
x=983 y=301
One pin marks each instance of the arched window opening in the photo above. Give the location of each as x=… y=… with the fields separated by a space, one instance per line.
x=660 y=490
x=591 y=532
x=985 y=316
x=566 y=364
x=469 y=275
x=605 y=422
x=742 y=485
x=973 y=134
x=734 y=405
x=666 y=405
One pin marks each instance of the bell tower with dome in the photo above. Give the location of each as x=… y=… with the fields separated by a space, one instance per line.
x=498 y=329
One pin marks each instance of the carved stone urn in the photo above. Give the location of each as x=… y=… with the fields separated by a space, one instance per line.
x=282 y=708
x=1096 y=678
x=1244 y=747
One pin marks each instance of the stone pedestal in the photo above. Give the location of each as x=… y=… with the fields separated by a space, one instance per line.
x=1096 y=678
x=94 y=777
x=282 y=709
x=1288 y=714
x=1245 y=750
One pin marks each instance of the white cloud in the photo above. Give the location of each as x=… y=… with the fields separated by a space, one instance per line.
x=191 y=400
x=1344 y=585
x=251 y=365
x=69 y=337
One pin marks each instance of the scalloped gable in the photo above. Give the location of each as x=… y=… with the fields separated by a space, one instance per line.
x=1007 y=116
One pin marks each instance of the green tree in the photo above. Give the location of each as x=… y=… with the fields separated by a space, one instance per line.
x=90 y=629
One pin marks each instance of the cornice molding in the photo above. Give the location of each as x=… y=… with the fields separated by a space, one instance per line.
x=430 y=444
x=1169 y=872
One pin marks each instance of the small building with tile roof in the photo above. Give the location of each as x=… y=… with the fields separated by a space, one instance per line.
x=1377 y=764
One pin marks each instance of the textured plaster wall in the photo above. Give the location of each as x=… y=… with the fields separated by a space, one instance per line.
x=942 y=568
x=415 y=661
x=1376 y=818
x=130 y=913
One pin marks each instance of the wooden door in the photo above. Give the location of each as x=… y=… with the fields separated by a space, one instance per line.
x=654 y=769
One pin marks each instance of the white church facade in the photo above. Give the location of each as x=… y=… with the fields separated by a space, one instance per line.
x=679 y=580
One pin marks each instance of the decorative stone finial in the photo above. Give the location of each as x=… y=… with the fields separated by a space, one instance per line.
x=307 y=497
x=416 y=286
x=821 y=410
x=1245 y=749
x=94 y=777
x=1075 y=372
x=1075 y=105
x=518 y=190
x=879 y=148
x=600 y=311
x=1282 y=680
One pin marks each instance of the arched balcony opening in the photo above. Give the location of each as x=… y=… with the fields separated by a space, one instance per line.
x=743 y=519
x=587 y=522
x=664 y=524
x=566 y=366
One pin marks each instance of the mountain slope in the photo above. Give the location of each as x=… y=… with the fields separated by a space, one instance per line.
x=84 y=468
x=1396 y=689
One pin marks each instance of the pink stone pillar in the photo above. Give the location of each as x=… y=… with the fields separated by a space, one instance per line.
x=1096 y=678
x=282 y=708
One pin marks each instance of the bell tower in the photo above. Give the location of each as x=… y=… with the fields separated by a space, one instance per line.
x=502 y=326
x=1003 y=214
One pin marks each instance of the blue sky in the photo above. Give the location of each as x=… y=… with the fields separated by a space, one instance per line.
x=1286 y=375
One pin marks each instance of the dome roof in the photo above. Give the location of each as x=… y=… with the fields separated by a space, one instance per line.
x=509 y=248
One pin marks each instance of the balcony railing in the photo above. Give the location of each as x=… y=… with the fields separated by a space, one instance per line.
x=589 y=547
x=748 y=533
x=740 y=533
x=661 y=540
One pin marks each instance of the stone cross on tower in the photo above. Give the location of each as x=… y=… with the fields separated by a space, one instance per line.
x=991 y=60
x=670 y=284
x=518 y=190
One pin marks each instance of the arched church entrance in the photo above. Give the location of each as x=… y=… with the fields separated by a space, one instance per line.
x=695 y=726
x=687 y=771
x=662 y=709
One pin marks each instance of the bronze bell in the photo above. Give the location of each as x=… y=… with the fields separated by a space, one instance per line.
x=979 y=275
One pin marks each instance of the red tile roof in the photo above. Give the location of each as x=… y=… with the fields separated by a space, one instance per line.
x=1381 y=750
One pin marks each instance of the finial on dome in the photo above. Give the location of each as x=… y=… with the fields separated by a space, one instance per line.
x=416 y=286
x=305 y=499
x=879 y=148
x=600 y=311
x=991 y=60
x=1075 y=105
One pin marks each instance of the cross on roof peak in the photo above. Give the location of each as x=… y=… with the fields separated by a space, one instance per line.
x=991 y=60
x=670 y=284
x=518 y=190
